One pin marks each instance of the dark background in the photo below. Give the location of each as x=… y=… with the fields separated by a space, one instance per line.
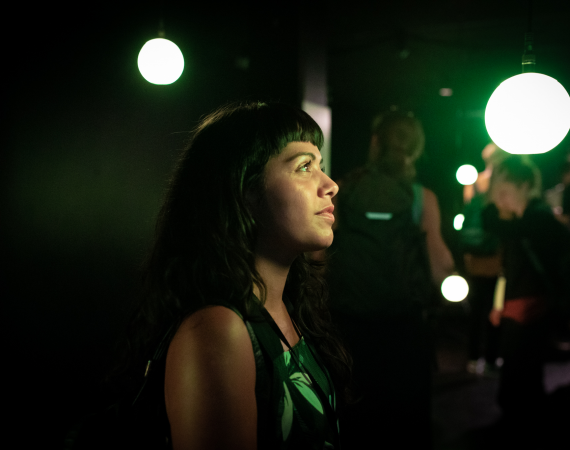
x=89 y=144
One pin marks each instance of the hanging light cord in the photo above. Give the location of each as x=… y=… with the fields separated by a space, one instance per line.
x=161 y=33
x=528 y=57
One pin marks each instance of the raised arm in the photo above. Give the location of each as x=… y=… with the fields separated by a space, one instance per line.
x=440 y=258
x=210 y=383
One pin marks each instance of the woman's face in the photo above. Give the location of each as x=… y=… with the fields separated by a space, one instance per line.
x=510 y=199
x=295 y=214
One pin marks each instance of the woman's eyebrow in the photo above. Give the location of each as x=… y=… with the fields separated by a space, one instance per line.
x=296 y=155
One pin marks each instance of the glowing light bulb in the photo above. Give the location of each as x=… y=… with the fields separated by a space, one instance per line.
x=466 y=174
x=458 y=221
x=454 y=288
x=528 y=113
x=160 y=61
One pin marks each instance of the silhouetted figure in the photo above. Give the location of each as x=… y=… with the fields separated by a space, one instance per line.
x=387 y=248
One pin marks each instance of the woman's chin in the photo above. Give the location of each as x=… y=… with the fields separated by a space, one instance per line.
x=323 y=243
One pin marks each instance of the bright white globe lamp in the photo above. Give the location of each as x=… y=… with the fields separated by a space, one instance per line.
x=160 y=61
x=466 y=174
x=454 y=288
x=528 y=113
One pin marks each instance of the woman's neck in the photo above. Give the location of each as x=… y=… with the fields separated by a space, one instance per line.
x=274 y=274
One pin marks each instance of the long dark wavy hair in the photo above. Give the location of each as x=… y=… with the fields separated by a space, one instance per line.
x=205 y=234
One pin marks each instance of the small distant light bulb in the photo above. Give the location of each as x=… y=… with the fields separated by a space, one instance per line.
x=458 y=221
x=466 y=174
x=446 y=92
x=160 y=61
x=454 y=288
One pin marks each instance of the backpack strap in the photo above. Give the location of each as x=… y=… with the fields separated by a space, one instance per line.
x=418 y=204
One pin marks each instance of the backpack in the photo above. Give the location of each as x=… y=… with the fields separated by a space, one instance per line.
x=378 y=262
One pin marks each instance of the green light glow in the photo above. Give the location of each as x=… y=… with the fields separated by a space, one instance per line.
x=160 y=61
x=528 y=113
x=466 y=174
x=454 y=288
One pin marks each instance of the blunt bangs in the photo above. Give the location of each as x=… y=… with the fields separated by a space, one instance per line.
x=239 y=139
x=282 y=124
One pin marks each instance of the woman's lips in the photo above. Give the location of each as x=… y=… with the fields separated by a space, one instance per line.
x=327 y=213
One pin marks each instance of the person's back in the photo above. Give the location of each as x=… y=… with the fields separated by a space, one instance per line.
x=380 y=277
x=379 y=240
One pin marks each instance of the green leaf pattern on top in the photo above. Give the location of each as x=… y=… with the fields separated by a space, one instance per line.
x=298 y=379
x=287 y=418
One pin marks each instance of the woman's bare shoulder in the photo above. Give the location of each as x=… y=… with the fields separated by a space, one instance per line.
x=210 y=381
x=429 y=195
x=214 y=325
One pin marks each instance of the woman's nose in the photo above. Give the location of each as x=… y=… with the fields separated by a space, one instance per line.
x=329 y=186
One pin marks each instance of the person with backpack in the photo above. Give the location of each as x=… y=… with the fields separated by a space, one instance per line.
x=536 y=267
x=234 y=321
x=387 y=258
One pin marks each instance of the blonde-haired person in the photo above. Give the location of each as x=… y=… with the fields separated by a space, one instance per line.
x=536 y=264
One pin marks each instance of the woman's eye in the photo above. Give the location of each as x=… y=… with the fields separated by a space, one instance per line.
x=305 y=167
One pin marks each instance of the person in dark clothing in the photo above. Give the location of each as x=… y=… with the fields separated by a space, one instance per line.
x=387 y=248
x=482 y=261
x=536 y=266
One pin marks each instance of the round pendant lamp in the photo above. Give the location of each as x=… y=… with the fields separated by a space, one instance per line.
x=530 y=112
x=160 y=61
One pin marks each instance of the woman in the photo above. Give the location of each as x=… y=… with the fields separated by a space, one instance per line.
x=228 y=268
x=536 y=258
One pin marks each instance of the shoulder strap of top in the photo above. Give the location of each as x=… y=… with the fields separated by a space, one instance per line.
x=263 y=380
x=262 y=384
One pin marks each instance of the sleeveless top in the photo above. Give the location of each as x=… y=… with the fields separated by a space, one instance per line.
x=300 y=420
x=290 y=414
